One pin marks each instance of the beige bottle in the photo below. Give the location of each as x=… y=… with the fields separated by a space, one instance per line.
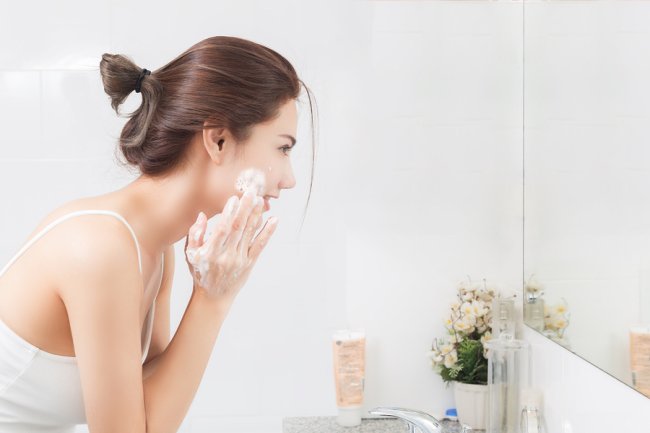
x=349 y=353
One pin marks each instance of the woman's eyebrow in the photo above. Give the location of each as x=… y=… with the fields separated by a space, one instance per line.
x=290 y=137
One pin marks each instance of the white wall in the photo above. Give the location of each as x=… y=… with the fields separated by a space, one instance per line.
x=417 y=180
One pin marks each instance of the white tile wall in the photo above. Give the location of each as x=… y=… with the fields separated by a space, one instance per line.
x=417 y=183
x=579 y=397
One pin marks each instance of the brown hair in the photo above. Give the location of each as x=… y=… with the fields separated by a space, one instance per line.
x=228 y=81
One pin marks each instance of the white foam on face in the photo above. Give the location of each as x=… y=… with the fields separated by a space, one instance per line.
x=253 y=179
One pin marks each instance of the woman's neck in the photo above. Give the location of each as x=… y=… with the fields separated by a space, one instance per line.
x=161 y=211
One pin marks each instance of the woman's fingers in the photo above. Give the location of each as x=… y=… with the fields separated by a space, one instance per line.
x=195 y=235
x=262 y=238
x=223 y=261
x=222 y=227
x=194 y=239
x=254 y=221
x=240 y=220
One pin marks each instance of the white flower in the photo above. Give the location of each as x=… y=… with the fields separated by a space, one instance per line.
x=446 y=348
x=533 y=287
x=467 y=308
x=559 y=309
x=435 y=356
x=486 y=337
x=461 y=326
x=559 y=323
x=470 y=319
x=450 y=359
x=480 y=308
x=465 y=325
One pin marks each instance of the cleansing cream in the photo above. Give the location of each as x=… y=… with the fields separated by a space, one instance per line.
x=349 y=351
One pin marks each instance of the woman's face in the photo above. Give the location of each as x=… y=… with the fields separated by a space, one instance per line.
x=267 y=152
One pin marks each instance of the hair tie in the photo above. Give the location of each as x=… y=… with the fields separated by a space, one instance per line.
x=139 y=82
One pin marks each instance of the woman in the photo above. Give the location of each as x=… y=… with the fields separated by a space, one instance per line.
x=79 y=340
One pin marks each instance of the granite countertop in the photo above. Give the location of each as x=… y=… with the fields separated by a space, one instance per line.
x=327 y=424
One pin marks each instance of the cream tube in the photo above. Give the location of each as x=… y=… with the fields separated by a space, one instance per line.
x=349 y=351
x=640 y=358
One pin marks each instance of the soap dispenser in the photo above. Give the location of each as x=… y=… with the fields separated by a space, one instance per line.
x=503 y=317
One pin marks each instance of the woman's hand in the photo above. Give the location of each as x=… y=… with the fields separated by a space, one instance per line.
x=221 y=265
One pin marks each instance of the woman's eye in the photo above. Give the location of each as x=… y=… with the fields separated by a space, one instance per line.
x=285 y=149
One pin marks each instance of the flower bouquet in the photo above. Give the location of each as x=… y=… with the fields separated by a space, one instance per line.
x=461 y=356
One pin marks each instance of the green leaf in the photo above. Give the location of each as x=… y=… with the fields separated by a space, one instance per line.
x=473 y=366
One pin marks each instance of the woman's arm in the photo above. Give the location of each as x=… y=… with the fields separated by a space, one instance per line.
x=170 y=388
x=161 y=327
x=102 y=293
x=102 y=289
x=230 y=252
x=180 y=365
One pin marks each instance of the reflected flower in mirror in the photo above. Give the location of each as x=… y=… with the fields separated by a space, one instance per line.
x=556 y=321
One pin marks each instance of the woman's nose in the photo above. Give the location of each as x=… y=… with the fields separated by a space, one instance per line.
x=288 y=180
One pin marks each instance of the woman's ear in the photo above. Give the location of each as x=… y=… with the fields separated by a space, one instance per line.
x=213 y=141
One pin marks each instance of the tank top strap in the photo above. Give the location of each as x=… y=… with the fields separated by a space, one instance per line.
x=70 y=215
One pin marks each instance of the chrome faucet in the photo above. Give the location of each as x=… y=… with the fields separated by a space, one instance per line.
x=424 y=422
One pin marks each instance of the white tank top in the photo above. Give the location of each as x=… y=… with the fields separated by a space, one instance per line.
x=41 y=391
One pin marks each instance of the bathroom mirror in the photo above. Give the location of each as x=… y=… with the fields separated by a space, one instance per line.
x=587 y=178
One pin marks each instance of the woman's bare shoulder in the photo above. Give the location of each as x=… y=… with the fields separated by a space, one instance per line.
x=87 y=240
x=66 y=208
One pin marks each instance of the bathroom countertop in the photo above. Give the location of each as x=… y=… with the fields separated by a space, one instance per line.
x=327 y=424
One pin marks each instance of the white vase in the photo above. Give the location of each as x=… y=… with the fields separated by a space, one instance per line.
x=471 y=404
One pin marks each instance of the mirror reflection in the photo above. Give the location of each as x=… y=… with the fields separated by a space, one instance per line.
x=586 y=178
